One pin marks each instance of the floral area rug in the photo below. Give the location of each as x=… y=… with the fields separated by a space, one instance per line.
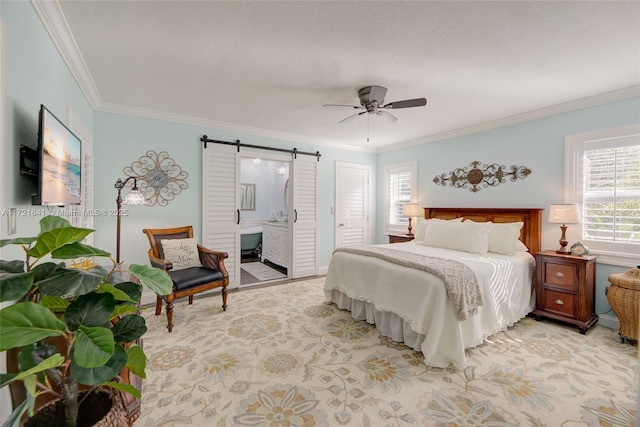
x=280 y=356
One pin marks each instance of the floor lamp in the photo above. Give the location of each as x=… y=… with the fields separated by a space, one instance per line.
x=134 y=198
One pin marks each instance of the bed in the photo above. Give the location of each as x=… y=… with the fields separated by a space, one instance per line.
x=414 y=304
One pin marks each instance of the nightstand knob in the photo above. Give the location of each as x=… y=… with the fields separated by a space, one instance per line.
x=559 y=302
x=558 y=274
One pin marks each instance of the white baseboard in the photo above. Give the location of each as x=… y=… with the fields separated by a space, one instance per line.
x=609 y=321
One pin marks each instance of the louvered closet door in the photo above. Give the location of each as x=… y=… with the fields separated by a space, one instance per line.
x=304 y=244
x=220 y=190
x=352 y=204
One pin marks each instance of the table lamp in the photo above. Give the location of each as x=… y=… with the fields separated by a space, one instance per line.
x=564 y=214
x=410 y=210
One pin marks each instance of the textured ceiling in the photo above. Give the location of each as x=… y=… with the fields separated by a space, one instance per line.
x=268 y=67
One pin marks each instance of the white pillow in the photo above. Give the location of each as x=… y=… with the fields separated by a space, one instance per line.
x=503 y=238
x=183 y=253
x=423 y=225
x=521 y=247
x=467 y=236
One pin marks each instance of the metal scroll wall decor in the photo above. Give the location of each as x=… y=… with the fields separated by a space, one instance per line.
x=160 y=179
x=476 y=177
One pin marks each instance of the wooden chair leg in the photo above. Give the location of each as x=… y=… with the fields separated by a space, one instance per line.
x=224 y=298
x=190 y=299
x=158 y=305
x=169 y=310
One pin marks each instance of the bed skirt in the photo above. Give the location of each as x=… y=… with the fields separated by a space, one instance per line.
x=389 y=324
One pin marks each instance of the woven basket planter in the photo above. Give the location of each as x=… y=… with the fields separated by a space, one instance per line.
x=624 y=299
x=102 y=408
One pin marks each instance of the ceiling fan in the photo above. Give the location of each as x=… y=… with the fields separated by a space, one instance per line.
x=372 y=102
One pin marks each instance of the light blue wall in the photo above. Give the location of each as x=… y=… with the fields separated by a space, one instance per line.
x=33 y=74
x=120 y=140
x=537 y=144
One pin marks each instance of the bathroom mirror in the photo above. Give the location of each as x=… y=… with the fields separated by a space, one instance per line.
x=248 y=197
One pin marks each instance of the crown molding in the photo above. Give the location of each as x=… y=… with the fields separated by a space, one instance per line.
x=230 y=127
x=618 y=95
x=56 y=25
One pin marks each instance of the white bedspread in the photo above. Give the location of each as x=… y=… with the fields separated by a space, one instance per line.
x=411 y=305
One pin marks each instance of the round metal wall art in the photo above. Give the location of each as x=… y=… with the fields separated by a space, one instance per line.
x=487 y=176
x=159 y=178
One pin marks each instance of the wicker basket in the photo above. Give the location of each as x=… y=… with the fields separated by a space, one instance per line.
x=102 y=408
x=624 y=299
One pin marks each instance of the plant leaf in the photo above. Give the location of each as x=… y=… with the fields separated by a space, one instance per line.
x=12 y=266
x=53 y=239
x=92 y=310
x=122 y=309
x=108 y=288
x=137 y=362
x=95 y=376
x=125 y=387
x=153 y=278
x=134 y=290
x=25 y=323
x=75 y=250
x=51 y=222
x=46 y=270
x=129 y=328
x=69 y=282
x=17 y=241
x=55 y=304
x=48 y=363
x=93 y=346
x=14 y=419
x=14 y=286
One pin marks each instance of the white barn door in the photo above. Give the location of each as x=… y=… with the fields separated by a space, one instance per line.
x=220 y=205
x=304 y=244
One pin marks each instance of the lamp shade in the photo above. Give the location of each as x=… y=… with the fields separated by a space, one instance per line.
x=410 y=209
x=134 y=198
x=564 y=214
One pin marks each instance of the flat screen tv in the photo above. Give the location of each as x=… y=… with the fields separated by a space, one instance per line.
x=60 y=162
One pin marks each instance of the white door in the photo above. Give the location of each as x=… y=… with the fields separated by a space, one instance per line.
x=221 y=205
x=304 y=242
x=352 y=204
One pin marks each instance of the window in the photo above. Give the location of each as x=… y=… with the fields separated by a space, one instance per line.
x=602 y=175
x=399 y=189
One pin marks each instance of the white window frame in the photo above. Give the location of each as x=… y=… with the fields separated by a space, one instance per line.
x=411 y=167
x=624 y=255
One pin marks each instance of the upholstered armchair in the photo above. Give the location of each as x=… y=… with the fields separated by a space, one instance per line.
x=192 y=267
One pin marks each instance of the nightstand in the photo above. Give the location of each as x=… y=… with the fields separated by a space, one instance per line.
x=565 y=286
x=399 y=238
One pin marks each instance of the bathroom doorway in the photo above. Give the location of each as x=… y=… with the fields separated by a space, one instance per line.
x=264 y=219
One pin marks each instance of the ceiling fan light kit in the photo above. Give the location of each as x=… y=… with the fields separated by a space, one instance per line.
x=372 y=102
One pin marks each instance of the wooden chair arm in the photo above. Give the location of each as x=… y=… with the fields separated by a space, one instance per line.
x=162 y=264
x=213 y=259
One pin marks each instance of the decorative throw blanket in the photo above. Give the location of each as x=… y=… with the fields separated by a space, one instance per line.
x=459 y=280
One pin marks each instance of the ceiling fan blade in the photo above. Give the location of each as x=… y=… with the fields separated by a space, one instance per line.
x=387 y=116
x=342 y=105
x=418 y=102
x=348 y=119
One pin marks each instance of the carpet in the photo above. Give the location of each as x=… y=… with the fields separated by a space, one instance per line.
x=262 y=272
x=280 y=356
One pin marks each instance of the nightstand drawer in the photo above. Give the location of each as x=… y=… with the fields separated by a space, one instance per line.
x=560 y=274
x=559 y=302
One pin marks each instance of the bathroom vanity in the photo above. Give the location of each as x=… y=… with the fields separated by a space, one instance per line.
x=275 y=243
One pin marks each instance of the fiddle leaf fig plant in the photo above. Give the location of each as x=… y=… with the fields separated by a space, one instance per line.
x=91 y=313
